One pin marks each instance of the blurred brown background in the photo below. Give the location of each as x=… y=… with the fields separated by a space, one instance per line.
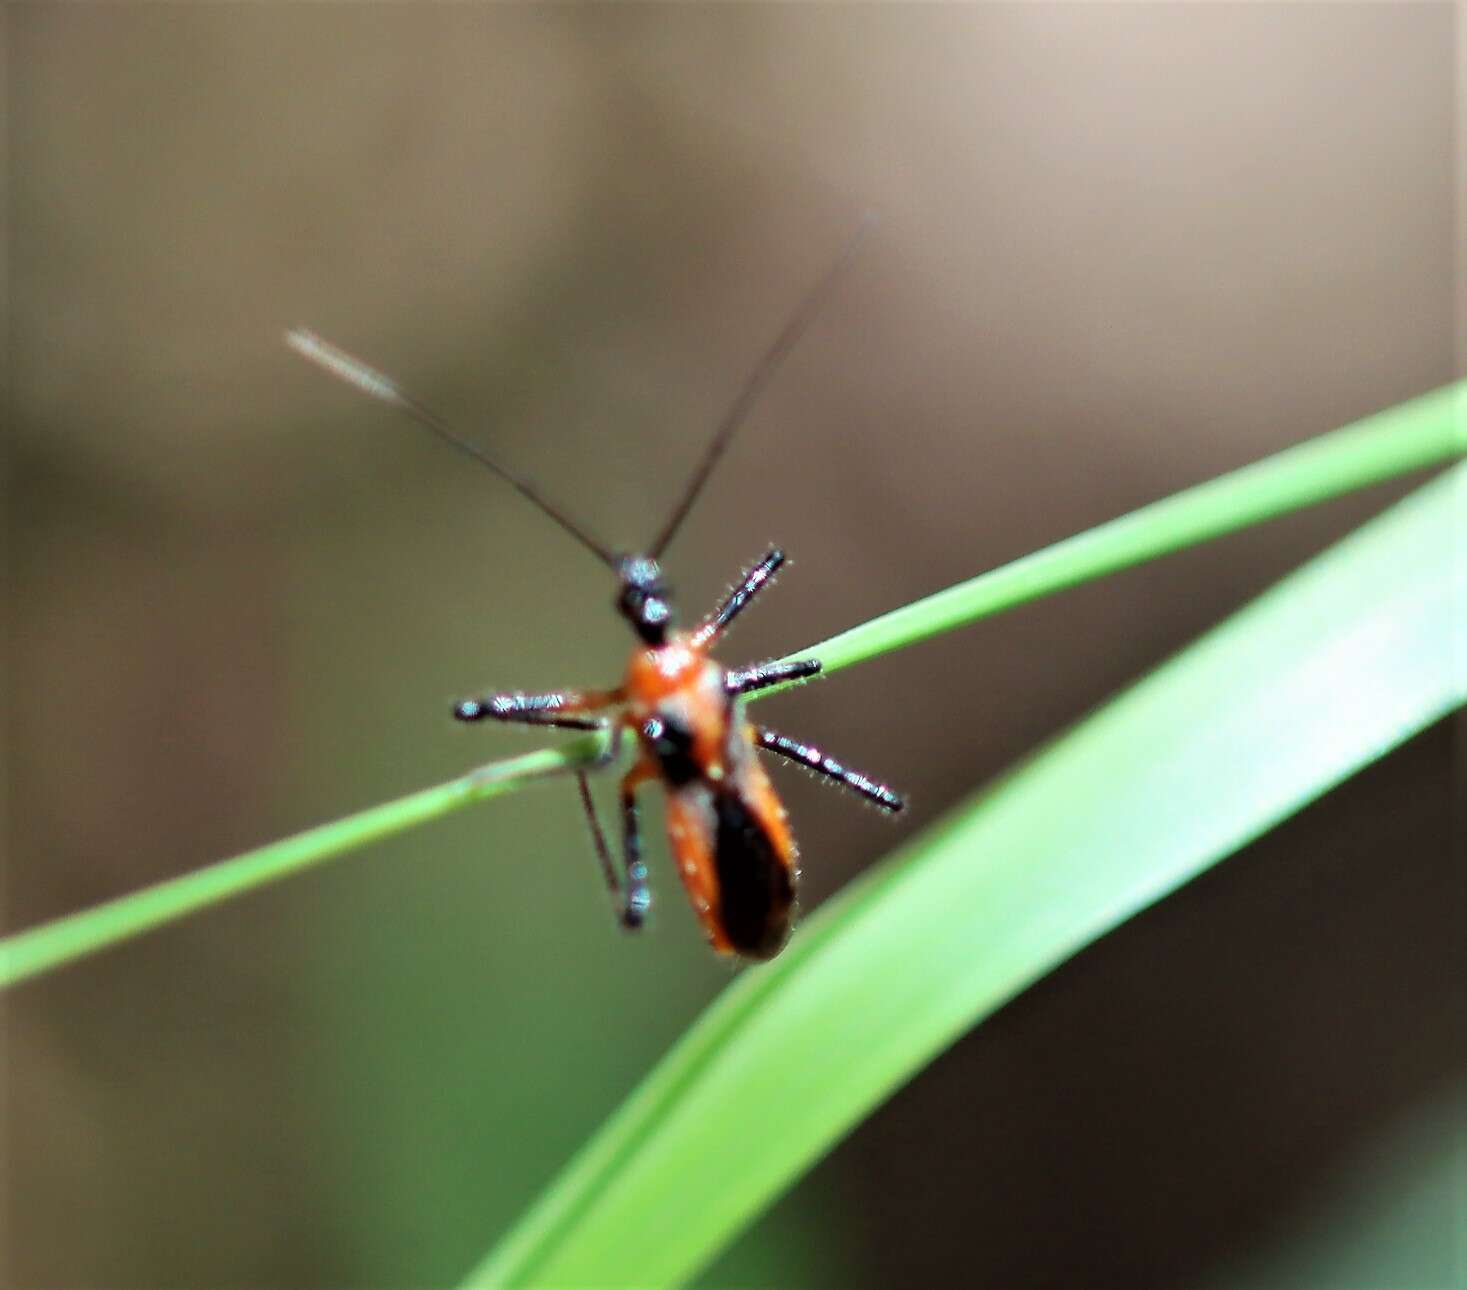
x=1121 y=250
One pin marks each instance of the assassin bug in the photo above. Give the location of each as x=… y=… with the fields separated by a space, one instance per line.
x=726 y=826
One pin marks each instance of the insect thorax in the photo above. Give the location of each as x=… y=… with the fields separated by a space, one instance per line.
x=681 y=711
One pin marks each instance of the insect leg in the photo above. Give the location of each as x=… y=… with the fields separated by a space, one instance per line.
x=812 y=758
x=637 y=897
x=633 y=898
x=746 y=680
x=751 y=584
x=555 y=709
x=598 y=838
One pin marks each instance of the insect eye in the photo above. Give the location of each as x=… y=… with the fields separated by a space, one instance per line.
x=646 y=607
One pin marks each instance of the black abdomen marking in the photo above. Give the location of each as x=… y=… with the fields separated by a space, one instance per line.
x=756 y=889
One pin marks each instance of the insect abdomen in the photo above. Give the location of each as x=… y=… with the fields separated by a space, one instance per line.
x=755 y=880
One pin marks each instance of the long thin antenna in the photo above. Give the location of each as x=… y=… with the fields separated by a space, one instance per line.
x=353 y=371
x=758 y=379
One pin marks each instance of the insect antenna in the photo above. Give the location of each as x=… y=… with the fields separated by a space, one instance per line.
x=353 y=371
x=766 y=367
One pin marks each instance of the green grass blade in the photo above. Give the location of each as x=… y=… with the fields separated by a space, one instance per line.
x=38 y=949
x=1421 y=432
x=1407 y=437
x=1329 y=670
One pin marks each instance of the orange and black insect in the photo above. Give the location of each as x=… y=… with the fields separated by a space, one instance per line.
x=726 y=825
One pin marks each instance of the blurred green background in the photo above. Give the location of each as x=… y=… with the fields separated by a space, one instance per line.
x=1121 y=249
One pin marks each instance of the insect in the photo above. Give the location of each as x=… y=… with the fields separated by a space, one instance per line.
x=726 y=826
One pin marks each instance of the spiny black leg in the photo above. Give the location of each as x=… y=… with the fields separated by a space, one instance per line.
x=637 y=899
x=814 y=759
x=746 y=680
x=534 y=710
x=753 y=582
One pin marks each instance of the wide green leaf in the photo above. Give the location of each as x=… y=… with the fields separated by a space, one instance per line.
x=1328 y=671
